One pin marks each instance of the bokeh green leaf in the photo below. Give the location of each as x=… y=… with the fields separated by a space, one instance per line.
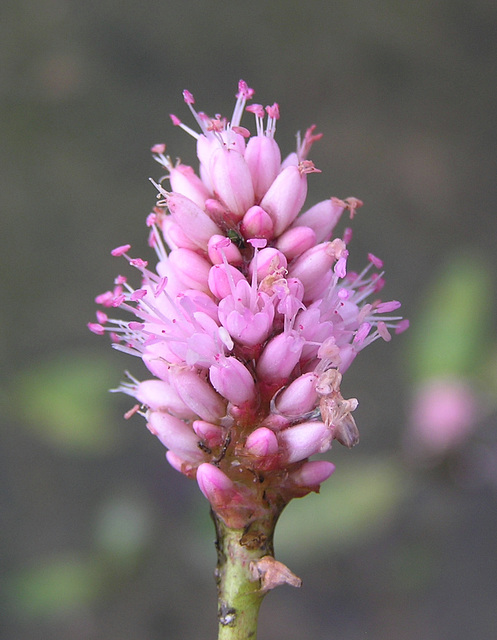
x=66 y=401
x=449 y=337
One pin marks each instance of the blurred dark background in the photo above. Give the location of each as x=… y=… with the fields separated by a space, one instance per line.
x=100 y=538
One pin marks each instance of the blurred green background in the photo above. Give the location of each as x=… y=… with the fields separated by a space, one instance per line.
x=100 y=538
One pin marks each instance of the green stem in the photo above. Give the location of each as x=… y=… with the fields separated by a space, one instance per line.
x=239 y=590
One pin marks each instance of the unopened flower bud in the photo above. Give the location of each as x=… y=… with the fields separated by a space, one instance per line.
x=262 y=445
x=299 y=397
x=295 y=241
x=311 y=474
x=233 y=381
x=232 y=181
x=221 y=278
x=198 y=394
x=190 y=268
x=194 y=222
x=257 y=223
x=279 y=357
x=322 y=217
x=212 y=434
x=263 y=158
x=184 y=180
x=159 y=395
x=304 y=440
x=285 y=197
x=175 y=435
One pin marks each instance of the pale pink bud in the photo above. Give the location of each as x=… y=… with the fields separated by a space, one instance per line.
x=279 y=357
x=285 y=197
x=304 y=440
x=295 y=241
x=184 y=180
x=262 y=442
x=181 y=465
x=198 y=394
x=158 y=358
x=194 y=222
x=313 y=265
x=268 y=261
x=257 y=223
x=232 y=180
x=312 y=474
x=190 y=268
x=263 y=158
x=220 y=246
x=222 y=277
x=215 y=485
x=262 y=446
x=211 y=434
x=299 y=397
x=232 y=380
x=159 y=395
x=175 y=435
x=174 y=236
x=322 y=217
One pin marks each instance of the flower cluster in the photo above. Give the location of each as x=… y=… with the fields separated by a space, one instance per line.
x=250 y=318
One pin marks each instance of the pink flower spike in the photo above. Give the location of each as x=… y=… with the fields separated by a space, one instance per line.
x=175 y=120
x=120 y=251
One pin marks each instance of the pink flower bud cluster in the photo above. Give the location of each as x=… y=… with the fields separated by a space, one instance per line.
x=249 y=318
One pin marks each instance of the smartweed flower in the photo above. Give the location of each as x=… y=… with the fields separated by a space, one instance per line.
x=247 y=321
